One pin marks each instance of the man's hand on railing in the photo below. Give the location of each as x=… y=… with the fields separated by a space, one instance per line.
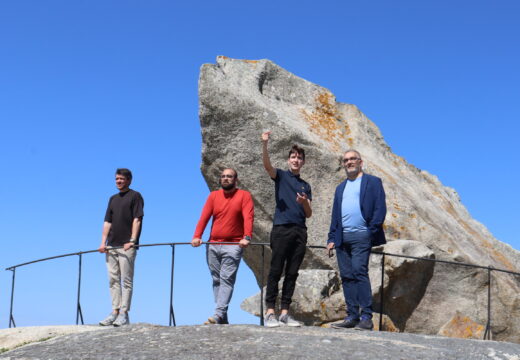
x=128 y=245
x=102 y=248
x=196 y=242
x=243 y=243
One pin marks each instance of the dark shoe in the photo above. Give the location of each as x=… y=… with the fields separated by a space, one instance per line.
x=214 y=320
x=346 y=324
x=365 y=324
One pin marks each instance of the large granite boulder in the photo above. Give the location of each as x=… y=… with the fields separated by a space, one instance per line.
x=405 y=279
x=315 y=301
x=239 y=99
x=318 y=299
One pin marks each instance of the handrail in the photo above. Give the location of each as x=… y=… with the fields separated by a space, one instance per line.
x=263 y=244
x=119 y=247
x=79 y=315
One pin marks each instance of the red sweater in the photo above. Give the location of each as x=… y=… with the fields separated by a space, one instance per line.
x=232 y=216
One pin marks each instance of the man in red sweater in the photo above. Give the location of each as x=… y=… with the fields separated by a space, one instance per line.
x=232 y=210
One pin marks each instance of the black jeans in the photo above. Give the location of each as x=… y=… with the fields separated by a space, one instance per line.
x=288 y=245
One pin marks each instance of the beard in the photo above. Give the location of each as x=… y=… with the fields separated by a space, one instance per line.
x=353 y=171
x=227 y=187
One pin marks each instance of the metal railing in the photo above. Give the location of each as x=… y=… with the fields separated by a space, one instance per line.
x=79 y=314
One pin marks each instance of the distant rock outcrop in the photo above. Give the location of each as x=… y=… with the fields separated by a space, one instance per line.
x=239 y=99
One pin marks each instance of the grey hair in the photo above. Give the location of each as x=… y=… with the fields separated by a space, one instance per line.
x=354 y=151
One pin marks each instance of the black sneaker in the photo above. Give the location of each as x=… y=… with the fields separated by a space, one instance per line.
x=346 y=324
x=365 y=324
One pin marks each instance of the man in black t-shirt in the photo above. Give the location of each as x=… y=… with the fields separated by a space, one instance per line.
x=122 y=228
x=289 y=235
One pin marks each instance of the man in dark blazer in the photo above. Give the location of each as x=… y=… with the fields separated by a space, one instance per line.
x=358 y=213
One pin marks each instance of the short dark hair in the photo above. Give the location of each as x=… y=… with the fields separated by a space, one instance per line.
x=297 y=150
x=124 y=172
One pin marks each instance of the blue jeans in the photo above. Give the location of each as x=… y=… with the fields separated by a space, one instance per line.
x=353 y=255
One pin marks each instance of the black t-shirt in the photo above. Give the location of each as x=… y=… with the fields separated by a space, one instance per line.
x=122 y=209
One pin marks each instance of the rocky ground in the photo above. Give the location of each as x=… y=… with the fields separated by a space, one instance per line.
x=145 y=341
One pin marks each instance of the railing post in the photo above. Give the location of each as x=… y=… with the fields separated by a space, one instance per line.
x=487 y=333
x=79 y=313
x=11 y=318
x=172 y=315
x=262 y=288
x=381 y=292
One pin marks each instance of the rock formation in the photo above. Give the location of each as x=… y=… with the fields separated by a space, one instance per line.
x=239 y=99
x=202 y=342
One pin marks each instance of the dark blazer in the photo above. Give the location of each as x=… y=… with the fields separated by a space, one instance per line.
x=373 y=209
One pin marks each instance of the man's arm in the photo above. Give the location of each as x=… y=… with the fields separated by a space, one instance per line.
x=136 y=228
x=106 y=229
x=248 y=214
x=333 y=222
x=207 y=211
x=265 y=156
x=379 y=214
x=305 y=202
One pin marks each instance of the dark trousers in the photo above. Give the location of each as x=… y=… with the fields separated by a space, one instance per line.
x=288 y=245
x=353 y=255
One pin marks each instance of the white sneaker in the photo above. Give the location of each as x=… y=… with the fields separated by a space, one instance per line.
x=109 y=320
x=122 y=319
x=287 y=320
x=270 y=321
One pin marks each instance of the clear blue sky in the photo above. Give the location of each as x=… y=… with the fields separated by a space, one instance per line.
x=89 y=86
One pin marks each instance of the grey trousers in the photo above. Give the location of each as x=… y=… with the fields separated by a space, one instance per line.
x=223 y=262
x=120 y=265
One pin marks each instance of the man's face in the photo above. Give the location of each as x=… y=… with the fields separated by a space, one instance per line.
x=352 y=164
x=122 y=183
x=295 y=162
x=228 y=179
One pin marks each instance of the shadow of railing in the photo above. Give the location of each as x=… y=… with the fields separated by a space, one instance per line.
x=79 y=313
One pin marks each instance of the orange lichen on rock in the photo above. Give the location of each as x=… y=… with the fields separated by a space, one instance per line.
x=396 y=206
x=323 y=120
x=387 y=324
x=323 y=307
x=250 y=61
x=462 y=327
x=391 y=230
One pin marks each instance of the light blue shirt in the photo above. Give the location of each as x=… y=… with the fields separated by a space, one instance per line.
x=352 y=219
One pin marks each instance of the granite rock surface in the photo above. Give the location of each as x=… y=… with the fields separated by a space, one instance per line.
x=145 y=341
x=239 y=99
